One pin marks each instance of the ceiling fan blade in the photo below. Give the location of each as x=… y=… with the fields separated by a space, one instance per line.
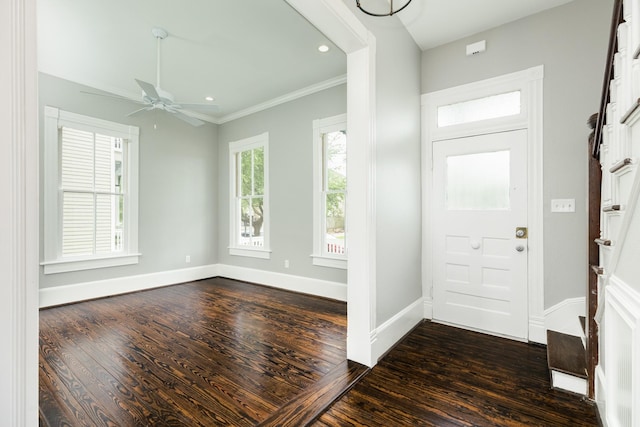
x=211 y=108
x=139 y=111
x=148 y=89
x=191 y=120
x=109 y=95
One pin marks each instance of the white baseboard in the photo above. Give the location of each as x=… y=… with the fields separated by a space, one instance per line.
x=391 y=331
x=558 y=315
x=600 y=398
x=305 y=285
x=563 y=317
x=103 y=288
x=428 y=309
x=537 y=330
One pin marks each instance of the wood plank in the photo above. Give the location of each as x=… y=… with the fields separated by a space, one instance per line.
x=444 y=376
x=307 y=406
x=213 y=352
x=566 y=354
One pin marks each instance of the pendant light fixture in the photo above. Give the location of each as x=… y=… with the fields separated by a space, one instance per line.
x=391 y=10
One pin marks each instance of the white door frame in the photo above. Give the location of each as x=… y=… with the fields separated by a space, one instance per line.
x=530 y=83
x=338 y=22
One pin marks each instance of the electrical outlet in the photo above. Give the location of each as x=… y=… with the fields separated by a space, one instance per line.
x=286 y=263
x=187 y=259
x=563 y=205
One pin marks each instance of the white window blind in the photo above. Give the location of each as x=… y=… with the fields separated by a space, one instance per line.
x=92 y=202
x=91 y=192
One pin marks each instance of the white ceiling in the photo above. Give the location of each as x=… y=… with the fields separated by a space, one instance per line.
x=244 y=53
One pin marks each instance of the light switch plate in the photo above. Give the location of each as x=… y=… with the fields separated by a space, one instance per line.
x=563 y=205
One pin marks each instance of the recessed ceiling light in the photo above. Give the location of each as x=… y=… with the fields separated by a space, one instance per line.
x=323 y=48
x=208 y=98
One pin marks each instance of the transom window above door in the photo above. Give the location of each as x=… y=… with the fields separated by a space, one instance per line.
x=485 y=108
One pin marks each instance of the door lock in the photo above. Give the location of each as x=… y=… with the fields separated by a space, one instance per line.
x=521 y=232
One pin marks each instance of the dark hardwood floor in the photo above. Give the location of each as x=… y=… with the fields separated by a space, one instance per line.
x=444 y=376
x=221 y=352
x=213 y=352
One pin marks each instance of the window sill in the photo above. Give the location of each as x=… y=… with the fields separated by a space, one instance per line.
x=64 y=266
x=251 y=253
x=324 y=261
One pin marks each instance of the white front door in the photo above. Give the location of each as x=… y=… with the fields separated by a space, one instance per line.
x=479 y=263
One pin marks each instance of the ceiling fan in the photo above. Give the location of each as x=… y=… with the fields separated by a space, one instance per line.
x=156 y=98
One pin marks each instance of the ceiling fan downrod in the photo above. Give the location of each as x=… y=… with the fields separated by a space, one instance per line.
x=159 y=34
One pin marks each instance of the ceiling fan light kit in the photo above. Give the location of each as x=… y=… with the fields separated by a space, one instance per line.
x=391 y=9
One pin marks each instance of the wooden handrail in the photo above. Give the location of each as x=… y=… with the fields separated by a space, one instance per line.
x=616 y=19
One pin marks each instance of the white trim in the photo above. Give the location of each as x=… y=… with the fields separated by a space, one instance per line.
x=235 y=147
x=19 y=214
x=54 y=261
x=428 y=308
x=568 y=382
x=58 y=266
x=563 y=317
x=292 y=96
x=305 y=285
x=251 y=253
x=394 y=329
x=622 y=345
x=530 y=82
x=600 y=398
x=361 y=205
x=334 y=19
x=320 y=127
x=121 y=285
x=537 y=330
x=323 y=261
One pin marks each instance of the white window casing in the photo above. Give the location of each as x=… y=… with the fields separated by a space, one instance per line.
x=108 y=250
x=246 y=243
x=321 y=256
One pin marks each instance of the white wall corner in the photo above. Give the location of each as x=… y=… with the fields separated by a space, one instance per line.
x=121 y=285
x=305 y=285
x=563 y=317
x=394 y=329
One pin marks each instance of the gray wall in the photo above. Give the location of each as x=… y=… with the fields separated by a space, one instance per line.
x=177 y=184
x=398 y=197
x=571 y=42
x=290 y=130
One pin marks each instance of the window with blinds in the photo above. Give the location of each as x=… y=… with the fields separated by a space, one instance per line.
x=91 y=192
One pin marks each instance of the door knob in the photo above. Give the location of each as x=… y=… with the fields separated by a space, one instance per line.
x=519 y=248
